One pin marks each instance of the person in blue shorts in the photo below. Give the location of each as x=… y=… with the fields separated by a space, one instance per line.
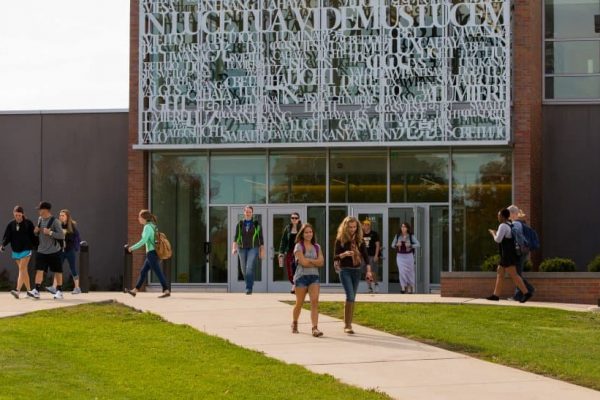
x=19 y=235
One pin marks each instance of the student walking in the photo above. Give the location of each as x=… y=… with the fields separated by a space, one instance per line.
x=518 y=218
x=349 y=254
x=405 y=244
x=373 y=245
x=248 y=245
x=51 y=236
x=19 y=234
x=286 y=247
x=69 y=253
x=508 y=257
x=152 y=262
x=309 y=259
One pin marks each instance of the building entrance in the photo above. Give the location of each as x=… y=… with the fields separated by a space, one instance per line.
x=429 y=225
x=268 y=276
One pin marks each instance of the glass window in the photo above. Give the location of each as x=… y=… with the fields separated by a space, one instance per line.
x=179 y=202
x=358 y=176
x=481 y=186
x=298 y=177
x=573 y=87
x=418 y=177
x=238 y=178
x=568 y=19
x=219 y=245
x=438 y=242
x=573 y=57
x=572 y=50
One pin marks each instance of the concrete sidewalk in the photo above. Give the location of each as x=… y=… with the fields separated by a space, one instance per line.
x=370 y=359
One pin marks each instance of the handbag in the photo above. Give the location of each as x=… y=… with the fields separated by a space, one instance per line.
x=162 y=246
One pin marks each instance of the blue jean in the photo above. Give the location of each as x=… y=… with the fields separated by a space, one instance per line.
x=152 y=262
x=247 y=260
x=350 y=277
x=71 y=257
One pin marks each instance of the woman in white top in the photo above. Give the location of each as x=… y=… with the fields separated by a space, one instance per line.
x=508 y=257
x=309 y=259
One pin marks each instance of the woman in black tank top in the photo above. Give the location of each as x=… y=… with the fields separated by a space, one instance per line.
x=508 y=257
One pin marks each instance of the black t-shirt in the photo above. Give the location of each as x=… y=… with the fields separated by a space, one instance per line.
x=370 y=240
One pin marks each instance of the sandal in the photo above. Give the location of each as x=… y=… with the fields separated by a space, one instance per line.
x=295 y=327
x=316 y=332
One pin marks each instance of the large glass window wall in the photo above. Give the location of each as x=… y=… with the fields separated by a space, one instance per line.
x=572 y=50
x=297 y=177
x=464 y=191
x=358 y=176
x=179 y=185
x=481 y=186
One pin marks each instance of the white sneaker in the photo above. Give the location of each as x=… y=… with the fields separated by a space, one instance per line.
x=33 y=293
x=51 y=289
x=58 y=295
x=15 y=294
x=76 y=291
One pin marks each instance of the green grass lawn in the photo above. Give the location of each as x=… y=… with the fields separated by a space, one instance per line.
x=561 y=344
x=108 y=351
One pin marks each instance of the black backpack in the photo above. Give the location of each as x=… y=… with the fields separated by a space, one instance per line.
x=60 y=242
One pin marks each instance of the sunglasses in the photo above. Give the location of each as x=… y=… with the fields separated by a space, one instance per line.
x=294 y=217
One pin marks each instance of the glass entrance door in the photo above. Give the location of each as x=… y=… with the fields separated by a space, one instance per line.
x=415 y=216
x=279 y=218
x=236 y=279
x=378 y=219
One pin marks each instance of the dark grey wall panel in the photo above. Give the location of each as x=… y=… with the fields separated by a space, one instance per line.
x=80 y=164
x=571 y=189
x=20 y=166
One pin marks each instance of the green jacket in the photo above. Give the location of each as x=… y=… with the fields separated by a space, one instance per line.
x=147 y=238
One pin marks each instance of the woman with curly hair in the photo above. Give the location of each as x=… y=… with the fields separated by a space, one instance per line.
x=350 y=252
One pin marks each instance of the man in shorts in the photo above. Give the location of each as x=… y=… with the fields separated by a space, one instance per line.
x=50 y=233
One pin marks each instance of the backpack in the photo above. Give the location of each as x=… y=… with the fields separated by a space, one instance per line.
x=162 y=245
x=531 y=237
x=60 y=242
x=256 y=224
x=410 y=239
x=519 y=240
x=317 y=248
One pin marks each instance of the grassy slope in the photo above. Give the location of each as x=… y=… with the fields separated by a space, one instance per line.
x=562 y=344
x=112 y=352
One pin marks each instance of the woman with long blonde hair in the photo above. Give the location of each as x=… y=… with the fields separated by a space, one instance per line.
x=70 y=249
x=349 y=254
x=149 y=221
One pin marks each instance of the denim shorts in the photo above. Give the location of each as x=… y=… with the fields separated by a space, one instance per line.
x=307 y=280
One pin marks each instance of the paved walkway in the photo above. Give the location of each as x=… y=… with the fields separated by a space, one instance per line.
x=370 y=359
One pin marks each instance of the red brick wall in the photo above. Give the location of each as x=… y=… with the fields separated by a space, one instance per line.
x=527 y=110
x=568 y=287
x=137 y=183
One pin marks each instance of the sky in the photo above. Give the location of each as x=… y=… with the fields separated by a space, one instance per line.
x=64 y=54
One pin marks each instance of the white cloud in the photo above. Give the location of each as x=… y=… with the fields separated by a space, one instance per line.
x=64 y=54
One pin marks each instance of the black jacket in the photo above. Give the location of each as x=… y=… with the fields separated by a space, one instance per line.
x=20 y=236
x=347 y=262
